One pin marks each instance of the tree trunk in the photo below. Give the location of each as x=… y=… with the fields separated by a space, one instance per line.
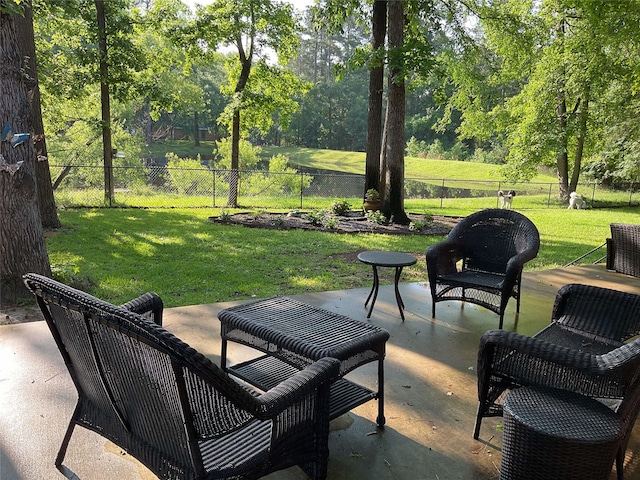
x=107 y=147
x=22 y=246
x=582 y=135
x=393 y=199
x=245 y=61
x=196 y=129
x=376 y=85
x=232 y=201
x=562 y=154
x=46 y=201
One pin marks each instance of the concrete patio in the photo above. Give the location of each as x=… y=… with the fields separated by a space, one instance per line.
x=430 y=389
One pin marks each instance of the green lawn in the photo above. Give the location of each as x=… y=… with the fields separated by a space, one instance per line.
x=118 y=254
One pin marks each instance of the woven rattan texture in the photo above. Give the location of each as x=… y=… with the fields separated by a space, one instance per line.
x=555 y=434
x=590 y=348
x=491 y=248
x=169 y=406
x=623 y=251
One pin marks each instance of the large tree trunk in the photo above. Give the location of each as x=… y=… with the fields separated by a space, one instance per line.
x=582 y=135
x=22 y=246
x=46 y=201
x=393 y=198
x=376 y=85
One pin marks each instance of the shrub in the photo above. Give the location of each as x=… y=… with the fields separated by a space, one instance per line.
x=376 y=217
x=340 y=207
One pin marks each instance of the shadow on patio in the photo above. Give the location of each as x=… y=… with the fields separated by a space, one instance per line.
x=430 y=388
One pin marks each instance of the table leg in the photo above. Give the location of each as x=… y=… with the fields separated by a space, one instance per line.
x=374 y=291
x=381 y=420
x=223 y=355
x=398 y=297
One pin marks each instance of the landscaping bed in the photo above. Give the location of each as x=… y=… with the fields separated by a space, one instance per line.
x=353 y=222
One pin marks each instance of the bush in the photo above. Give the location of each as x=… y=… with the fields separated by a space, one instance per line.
x=340 y=208
x=376 y=217
x=186 y=175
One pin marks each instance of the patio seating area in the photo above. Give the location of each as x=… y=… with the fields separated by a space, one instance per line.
x=430 y=387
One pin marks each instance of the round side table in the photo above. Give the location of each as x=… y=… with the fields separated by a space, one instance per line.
x=553 y=434
x=377 y=258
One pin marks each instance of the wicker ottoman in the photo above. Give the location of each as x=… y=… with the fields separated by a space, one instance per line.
x=554 y=434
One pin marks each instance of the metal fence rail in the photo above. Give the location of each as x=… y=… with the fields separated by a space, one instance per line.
x=166 y=187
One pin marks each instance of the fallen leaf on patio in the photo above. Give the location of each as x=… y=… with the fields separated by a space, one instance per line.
x=470 y=368
x=406 y=386
x=356 y=455
x=434 y=428
x=410 y=404
x=387 y=463
x=371 y=433
x=449 y=394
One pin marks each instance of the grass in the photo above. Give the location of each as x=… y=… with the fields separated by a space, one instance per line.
x=118 y=254
x=354 y=162
x=351 y=162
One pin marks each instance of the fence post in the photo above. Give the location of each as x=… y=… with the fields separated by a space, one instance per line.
x=301 y=184
x=549 y=196
x=441 y=193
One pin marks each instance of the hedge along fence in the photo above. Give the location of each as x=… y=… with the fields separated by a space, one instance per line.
x=166 y=187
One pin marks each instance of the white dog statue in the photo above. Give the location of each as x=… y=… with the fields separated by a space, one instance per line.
x=506 y=198
x=576 y=201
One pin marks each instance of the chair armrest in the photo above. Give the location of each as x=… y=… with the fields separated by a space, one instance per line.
x=442 y=258
x=148 y=305
x=304 y=382
x=509 y=342
x=532 y=361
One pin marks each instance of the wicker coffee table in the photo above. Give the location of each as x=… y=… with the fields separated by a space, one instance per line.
x=291 y=335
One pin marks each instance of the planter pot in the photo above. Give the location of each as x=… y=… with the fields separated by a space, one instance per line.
x=373 y=205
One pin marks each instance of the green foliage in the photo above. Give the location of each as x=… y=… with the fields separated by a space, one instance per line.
x=372 y=194
x=185 y=175
x=417 y=225
x=375 y=217
x=415 y=148
x=248 y=154
x=340 y=207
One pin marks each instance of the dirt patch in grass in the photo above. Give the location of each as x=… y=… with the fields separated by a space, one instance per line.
x=354 y=222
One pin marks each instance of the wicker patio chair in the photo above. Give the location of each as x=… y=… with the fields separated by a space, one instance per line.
x=623 y=249
x=493 y=245
x=169 y=406
x=582 y=350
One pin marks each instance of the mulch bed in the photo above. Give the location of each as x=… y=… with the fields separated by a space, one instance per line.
x=354 y=222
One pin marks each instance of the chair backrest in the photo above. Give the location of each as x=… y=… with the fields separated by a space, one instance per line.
x=489 y=238
x=608 y=314
x=625 y=242
x=135 y=375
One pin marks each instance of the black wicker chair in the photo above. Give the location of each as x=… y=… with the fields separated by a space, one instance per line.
x=493 y=246
x=169 y=406
x=582 y=350
x=623 y=249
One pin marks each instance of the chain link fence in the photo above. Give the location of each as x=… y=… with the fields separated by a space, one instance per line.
x=166 y=187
